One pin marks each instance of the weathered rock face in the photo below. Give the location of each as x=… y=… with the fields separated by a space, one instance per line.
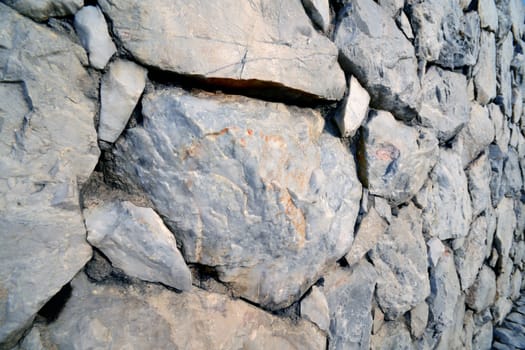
x=485 y=69
x=136 y=241
x=400 y=259
x=395 y=159
x=95 y=315
x=366 y=30
x=47 y=148
x=272 y=43
x=44 y=9
x=221 y=173
x=369 y=233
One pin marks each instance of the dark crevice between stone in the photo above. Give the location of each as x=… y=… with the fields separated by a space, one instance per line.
x=90 y=3
x=51 y=310
x=260 y=89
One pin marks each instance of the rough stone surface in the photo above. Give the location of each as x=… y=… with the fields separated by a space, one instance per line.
x=400 y=259
x=40 y=10
x=393 y=335
x=136 y=241
x=366 y=30
x=483 y=338
x=478 y=174
x=482 y=293
x=314 y=308
x=477 y=134
x=503 y=60
x=271 y=43
x=444 y=34
x=319 y=12
x=93 y=33
x=349 y=293
x=395 y=159
x=47 y=148
x=445 y=107
x=353 y=110
x=95 y=315
x=485 y=69
x=469 y=258
x=488 y=15
x=120 y=91
x=370 y=231
x=418 y=320
x=506 y=226
x=242 y=184
x=449 y=213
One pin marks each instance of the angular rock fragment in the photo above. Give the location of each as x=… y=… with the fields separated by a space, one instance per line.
x=368 y=234
x=444 y=34
x=469 y=258
x=445 y=105
x=120 y=91
x=272 y=45
x=255 y=189
x=482 y=293
x=477 y=134
x=512 y=179
x=349 y=293
x=497 y=188
x=488 y=15
x=314 y=307
x=353 y=110
x=391 y=6
x=501 y=129
x=483 y=337
x=92 y=30
x=156 y=318
x=485 y=69
x=40 y=10
x=319 y=12
x=396 y=158
x=506 y=225
x=504 y=55
x=449 y=212
x=366 y=30
x=418 y=320
x=478 y=174
x=137 y=242
x=48 y=148
x=400 y=259
x=393 y=335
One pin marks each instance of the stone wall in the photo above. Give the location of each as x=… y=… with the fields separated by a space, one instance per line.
x=260 y=174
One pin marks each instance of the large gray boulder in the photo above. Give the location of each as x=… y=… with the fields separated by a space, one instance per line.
x=103 y=316
x=48 y=148
x=400 y=259
x=445 y=105
x=444 y=34
x=255 y=189
x=366 y=30
x=395 y=158
x=271 y=45
x=449 y=211
x=40 y=10
x=349 y=293
x=136 y=241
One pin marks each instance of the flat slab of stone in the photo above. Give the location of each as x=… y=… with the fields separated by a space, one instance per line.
x=255 y=189
x=273 y=44
x=48 y=148
x=156 y=318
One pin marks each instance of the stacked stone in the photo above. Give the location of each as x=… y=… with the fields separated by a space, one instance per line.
x=261 y=174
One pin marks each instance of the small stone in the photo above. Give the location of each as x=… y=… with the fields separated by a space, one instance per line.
x=403 y=23
x=504 y=54
x=506 y=226
x=319 y=12
x=445 y=105
x=418 y=320
x=314 y=308
x=512 y=180
x=436 y=249
x=482 y=293
x=136 y=241
x=515 y=285
x=488 y=15
x=368 y=234
x=353 y=110
x=497 y=188
x=503 y=279
x=379 y=319
x=92 y=30
x=400 y=259
x=477 y=134
x=397 y=158
x=120 y=91
x=383 y=208
x=502 y=132
x=478 y=174
x=483 y=337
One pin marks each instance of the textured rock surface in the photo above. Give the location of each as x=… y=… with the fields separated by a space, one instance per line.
x=400 y=259
x=395 y=159
x=366 y=30
x=47 y=148
x=272 y=42
x=353 y=110
x=40 y=10
x=120 y=91
x=445 y=107
x=370 y=231
x=225 y=180
x=488 y=15
x=477 y=134
x=481 y=295
x=314 y=308
x=469 y=258
x=93 y=33
x=485 y=69
x=349 y=294
x=95 y=316
x=136 y=241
